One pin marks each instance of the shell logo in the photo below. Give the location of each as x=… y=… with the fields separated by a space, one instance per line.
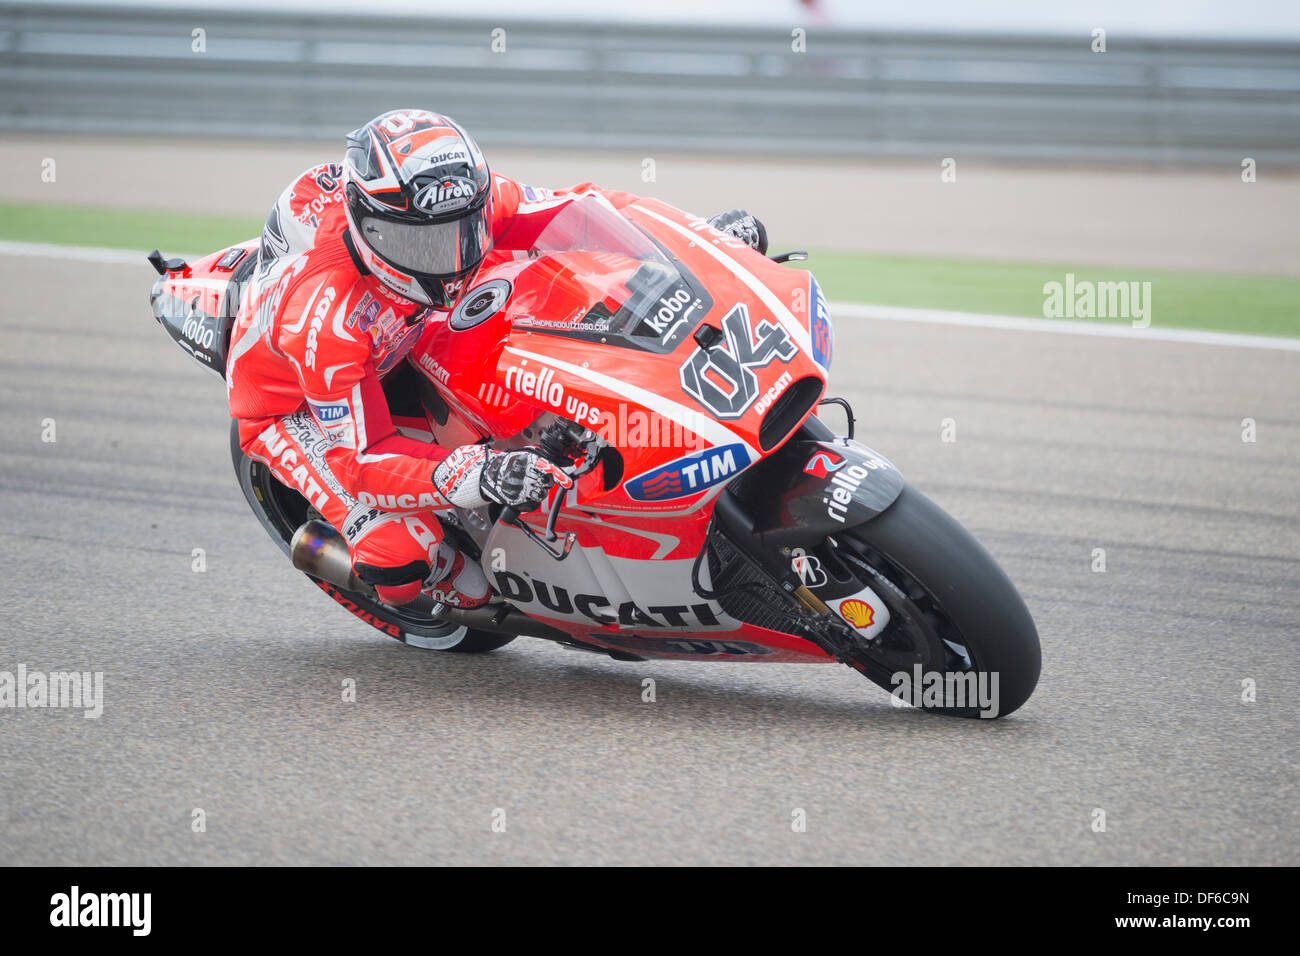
x=858 y=613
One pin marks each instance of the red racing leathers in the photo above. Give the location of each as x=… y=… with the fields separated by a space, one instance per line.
x=315 y=335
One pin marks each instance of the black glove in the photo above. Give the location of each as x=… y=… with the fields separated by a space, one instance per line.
x=744 y=227
x=520 y=479
x=473 y=475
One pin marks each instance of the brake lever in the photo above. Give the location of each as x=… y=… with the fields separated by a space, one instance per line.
x=555 y=514
x=560 y=553
x=511 y=516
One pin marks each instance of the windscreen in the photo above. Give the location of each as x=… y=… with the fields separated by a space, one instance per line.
x=647 y=301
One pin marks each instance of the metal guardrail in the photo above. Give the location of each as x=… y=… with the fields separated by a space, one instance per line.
x=582 y=85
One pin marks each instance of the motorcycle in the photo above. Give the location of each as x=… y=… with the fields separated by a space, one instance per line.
x=675 y=374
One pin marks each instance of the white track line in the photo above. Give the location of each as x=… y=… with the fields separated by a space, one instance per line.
x=890 y=313
x=43 y=250
x=1060 y=326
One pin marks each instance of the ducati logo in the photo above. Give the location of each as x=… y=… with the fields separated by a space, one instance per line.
x=722 y=378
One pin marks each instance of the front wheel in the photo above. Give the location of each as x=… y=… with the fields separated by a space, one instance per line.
x=960 y=640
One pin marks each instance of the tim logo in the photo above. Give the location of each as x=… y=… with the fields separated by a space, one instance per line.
x=689 y=475
x=822 y=464
x=329 y=412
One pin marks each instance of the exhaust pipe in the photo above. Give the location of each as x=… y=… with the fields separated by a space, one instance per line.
x=320 y=551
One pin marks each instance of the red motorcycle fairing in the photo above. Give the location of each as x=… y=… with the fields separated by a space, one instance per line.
x=197 y=304
x=678 y=353
x=632 y=604
x=684 y=417
x=548 y=333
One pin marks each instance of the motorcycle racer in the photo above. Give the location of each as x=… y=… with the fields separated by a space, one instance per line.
x=355 y=258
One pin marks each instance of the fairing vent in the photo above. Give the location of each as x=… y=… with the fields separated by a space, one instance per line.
x=750 y=596
x=788 y=411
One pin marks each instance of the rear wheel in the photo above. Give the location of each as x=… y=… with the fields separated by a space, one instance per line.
x=282 y=511
x=953 y=613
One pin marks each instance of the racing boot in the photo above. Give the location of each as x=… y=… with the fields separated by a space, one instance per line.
x=455 y=580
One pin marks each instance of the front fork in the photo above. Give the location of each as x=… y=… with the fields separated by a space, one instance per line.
x=785 y=573
x=781 y=518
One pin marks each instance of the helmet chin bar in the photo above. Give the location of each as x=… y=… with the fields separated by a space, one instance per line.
x=440 y=297
x=409 y=287
x=445 y=293
x=436 y=293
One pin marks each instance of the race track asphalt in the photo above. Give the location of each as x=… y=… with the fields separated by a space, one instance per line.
x=223 y=688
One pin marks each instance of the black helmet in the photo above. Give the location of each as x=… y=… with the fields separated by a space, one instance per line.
x=419 y=203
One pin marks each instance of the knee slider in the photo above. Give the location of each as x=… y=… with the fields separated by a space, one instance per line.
x=383 y=576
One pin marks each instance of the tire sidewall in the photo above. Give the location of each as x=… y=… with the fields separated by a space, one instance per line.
x=968 y=584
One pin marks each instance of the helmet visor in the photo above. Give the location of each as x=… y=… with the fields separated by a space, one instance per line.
x=442 y=249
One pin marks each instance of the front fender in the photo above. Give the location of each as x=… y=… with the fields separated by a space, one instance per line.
x=811 y=488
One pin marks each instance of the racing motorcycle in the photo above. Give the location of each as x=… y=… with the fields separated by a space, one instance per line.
x=675 y=374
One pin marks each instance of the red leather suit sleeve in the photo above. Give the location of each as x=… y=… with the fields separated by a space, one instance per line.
x=333 y=359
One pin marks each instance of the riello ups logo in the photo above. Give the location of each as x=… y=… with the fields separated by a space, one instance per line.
x=846 y=477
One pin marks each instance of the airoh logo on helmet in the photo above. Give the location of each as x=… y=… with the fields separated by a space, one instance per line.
x=448 y=194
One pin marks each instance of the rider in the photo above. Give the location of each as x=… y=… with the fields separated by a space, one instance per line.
x=355 y=259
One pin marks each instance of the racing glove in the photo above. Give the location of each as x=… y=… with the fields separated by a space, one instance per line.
x=744 y=227
x=473 y=475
